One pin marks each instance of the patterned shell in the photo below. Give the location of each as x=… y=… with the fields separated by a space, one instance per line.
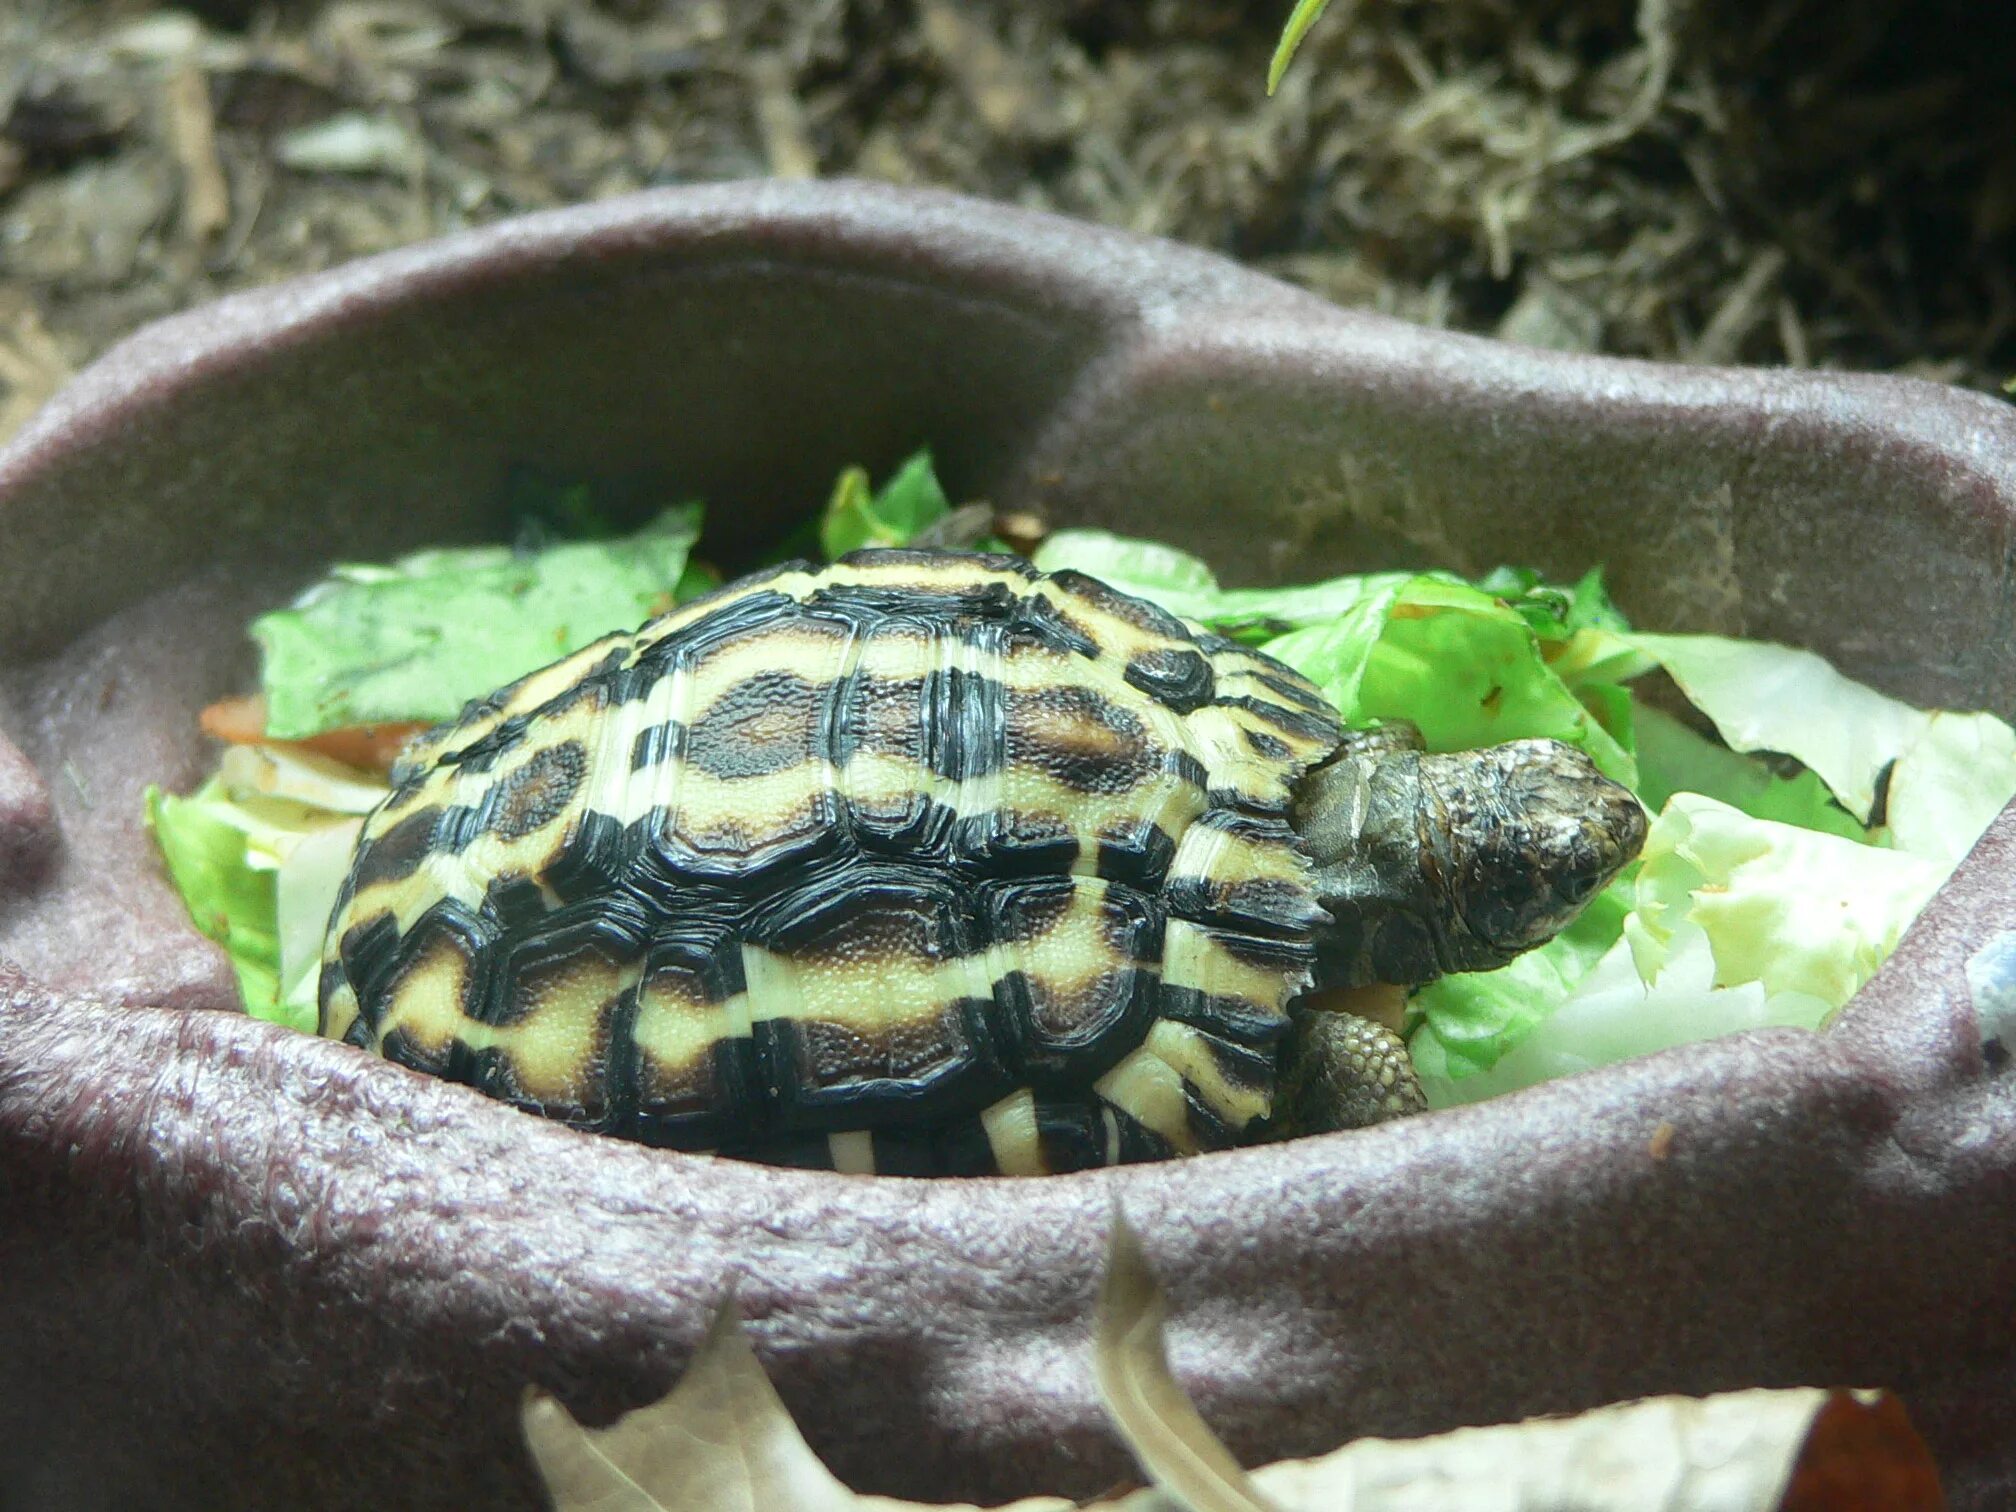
x=921 y=863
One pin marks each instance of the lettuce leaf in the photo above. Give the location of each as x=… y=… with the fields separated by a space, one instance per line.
x=1735 y=923
x=1949 y=785
x=697 y=579
x=1337 y=655
x=1945 y=775
x=258 y=854
x=1765 y=697
x=1673 y=759
x=1790 y=908
x=1614 y=1014
x=417 y=639
x=1164 y=575
x=1462 y=1025
x=1471 y=665
x=300 y=776
x=1555 y=612
x=305 y=889
x=1460 y=663
x=858 y=515
x=1186 y=586
x=229 y=900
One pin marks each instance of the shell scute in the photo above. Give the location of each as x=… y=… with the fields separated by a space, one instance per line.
x=1083 y=960
x=923 y=862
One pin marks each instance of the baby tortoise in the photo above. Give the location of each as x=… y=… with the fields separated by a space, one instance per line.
x=930 y=863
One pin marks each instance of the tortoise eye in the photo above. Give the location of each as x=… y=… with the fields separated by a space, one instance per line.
x=1576 y=886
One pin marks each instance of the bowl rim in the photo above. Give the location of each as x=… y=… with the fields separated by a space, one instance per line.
x=1164 y=313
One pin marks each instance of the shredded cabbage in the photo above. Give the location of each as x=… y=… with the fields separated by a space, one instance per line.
x=1785 y=861
x=416 y=639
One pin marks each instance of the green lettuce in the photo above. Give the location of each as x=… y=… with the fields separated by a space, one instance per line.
x=305 y=887
x=1735 y=923
x=1186 y=586
x=1672 y=758
x=229 y=899
x=1555 y=612
x=1463 y=665
x=417 y=639
x=1792 y=909
x=1939 y=777
x=1948 y=785
x=259 y=867
x=323 y=803
x=1164 y=575
x=1461 y=1025
x=1765 y=697
x=698 y=578
x=258 y=854
x=1613 y=1013
x=1791 y=820
x=298 y=776
x=858 y=515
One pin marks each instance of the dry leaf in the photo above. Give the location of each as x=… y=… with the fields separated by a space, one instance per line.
x=1159 y=1422
x=721 y=1440
x=1741 y=1451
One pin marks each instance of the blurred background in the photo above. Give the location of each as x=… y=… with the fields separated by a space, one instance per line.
x=1814 y=182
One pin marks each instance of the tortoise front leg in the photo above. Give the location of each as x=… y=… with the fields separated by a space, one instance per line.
x=1340 y=1071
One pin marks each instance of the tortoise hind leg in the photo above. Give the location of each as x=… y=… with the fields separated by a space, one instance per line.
x=1340 y=1071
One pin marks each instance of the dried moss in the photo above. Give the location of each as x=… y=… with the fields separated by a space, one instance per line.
x=1803 y=182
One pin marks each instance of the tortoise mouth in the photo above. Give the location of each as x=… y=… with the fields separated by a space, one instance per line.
x=256 y=1231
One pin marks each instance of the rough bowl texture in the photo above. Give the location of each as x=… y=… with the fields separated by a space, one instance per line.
x=245 y=1268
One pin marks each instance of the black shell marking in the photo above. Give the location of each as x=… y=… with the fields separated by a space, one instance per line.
x=921 y=863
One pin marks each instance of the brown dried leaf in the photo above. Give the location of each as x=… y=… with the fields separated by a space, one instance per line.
x=1862 y=1454
x=721 y=1440
x=1153 y=1414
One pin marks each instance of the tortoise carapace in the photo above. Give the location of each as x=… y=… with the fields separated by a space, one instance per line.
x=931 y=863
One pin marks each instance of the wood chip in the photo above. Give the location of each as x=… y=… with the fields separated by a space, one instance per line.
x=192 y=138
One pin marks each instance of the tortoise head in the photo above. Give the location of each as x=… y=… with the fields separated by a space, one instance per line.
x=1456 y=861
x=1524 y=834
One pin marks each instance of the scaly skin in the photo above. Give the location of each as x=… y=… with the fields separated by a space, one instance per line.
x=1430 y=864
x=1343 y=1072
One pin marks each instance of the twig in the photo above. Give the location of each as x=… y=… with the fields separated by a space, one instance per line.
x=781 y=119
x=192 y=138
x=1741 y=311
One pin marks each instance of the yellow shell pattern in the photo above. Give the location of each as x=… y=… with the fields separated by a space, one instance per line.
x=921 y=863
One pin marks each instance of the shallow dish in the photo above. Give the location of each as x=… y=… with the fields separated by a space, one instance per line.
x=241 y=1267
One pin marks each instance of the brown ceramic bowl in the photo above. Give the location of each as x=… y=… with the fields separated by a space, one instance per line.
x=241 y=1267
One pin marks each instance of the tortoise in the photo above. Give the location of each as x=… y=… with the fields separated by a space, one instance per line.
x=928 y=862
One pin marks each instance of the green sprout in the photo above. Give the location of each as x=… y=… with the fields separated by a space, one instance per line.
x=1304 y=17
